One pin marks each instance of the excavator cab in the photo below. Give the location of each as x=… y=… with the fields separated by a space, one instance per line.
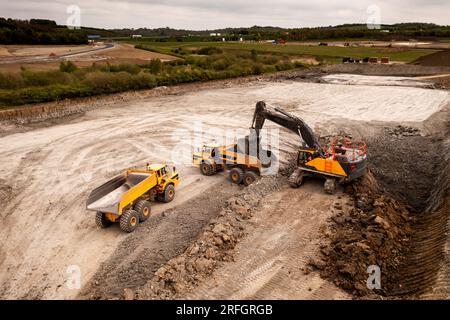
x=305 y=155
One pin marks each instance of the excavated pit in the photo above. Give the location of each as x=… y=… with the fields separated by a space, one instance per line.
x=397 y=219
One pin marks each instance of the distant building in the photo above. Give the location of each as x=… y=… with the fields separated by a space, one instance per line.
x=93 y=38
x=136 y=36
x=214 y=34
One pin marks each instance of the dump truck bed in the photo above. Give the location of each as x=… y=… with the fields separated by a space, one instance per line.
x=117 y=193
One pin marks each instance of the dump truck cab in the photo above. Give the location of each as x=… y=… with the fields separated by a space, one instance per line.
x=126 y=198
x=164 y=176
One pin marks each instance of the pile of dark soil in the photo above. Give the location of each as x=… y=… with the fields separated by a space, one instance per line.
x=373 y=229
x=440 y=58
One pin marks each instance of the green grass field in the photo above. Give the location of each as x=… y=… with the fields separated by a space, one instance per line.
x=404 y=55
x=200 y=61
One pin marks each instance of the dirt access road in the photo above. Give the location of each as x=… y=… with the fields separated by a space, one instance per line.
x=39 y=58
x=47 y=173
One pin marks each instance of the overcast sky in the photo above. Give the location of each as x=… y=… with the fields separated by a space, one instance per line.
x=211 y=14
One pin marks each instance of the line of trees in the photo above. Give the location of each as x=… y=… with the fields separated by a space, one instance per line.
x=396 y=31
x=38 y=31
x=41 y=31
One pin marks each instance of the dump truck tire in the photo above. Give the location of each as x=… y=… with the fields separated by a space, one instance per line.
x=249 y=178
x=169 y=193
x=206 y=169
x=143 y=207
x=101 y=221
x=330 y=185
x=296 y=178
x=129 y=220
x=236 y=175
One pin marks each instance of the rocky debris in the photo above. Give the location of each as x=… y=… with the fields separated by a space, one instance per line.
x=334 y=138
x=374 y=231
x=402 y=131
x=213 y=246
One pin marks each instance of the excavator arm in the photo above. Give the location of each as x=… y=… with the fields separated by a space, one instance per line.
x=284 y=119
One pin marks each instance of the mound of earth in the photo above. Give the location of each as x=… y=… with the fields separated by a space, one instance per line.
x=373 y=229
x=440 y=58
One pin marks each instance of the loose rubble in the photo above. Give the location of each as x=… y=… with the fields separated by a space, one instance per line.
x=402 y=131
x=374 y=229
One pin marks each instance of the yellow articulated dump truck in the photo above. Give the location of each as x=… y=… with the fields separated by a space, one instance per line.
x=243 y=168
x=126 y=198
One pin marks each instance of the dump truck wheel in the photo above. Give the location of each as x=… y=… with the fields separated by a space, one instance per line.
x=236 y=175
x=143 y=207
x=330 y=185
x=296 y=178
x=206 y=169
x=129 y=220
x=169 y=193
x=250 y=177
x=101 y=221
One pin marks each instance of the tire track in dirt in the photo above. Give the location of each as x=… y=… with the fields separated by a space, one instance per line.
x=270 y=262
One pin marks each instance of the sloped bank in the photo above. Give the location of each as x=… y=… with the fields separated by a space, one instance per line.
x=398 y=220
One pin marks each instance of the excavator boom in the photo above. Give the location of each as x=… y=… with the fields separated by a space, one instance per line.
x=284 y=119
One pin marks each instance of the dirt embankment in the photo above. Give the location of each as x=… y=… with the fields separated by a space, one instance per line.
x=387 y=70
x=44 y=112
x=397 y=219
x=440 y=58
x=425 y=271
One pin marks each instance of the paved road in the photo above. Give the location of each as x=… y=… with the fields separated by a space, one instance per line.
x=47 y=58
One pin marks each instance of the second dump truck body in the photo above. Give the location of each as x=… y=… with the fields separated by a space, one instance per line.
x=243 y=167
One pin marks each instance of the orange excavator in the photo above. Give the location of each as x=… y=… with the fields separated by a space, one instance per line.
x=340 y=160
